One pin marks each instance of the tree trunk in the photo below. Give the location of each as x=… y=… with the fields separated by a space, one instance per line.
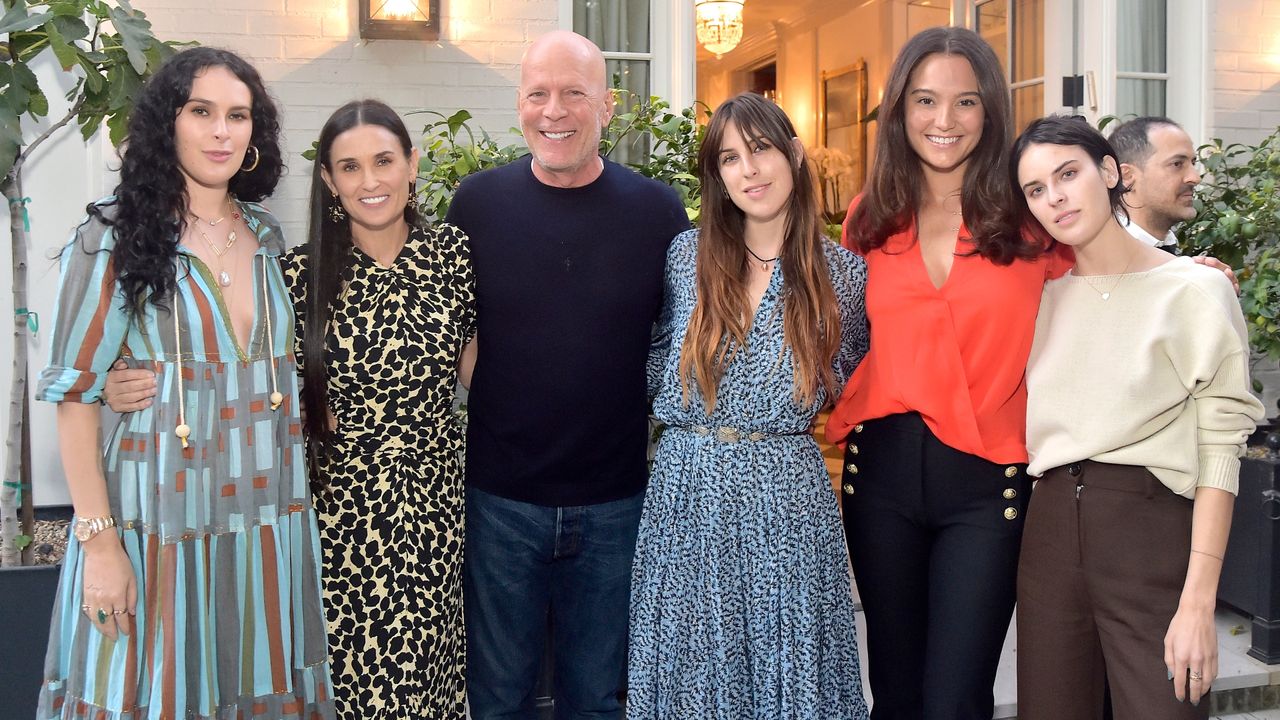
x=17 y=475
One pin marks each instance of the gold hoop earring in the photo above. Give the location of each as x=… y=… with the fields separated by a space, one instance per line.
x=336 y=213
x=257 y=157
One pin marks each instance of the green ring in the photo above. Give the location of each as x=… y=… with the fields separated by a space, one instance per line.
x=102 y=616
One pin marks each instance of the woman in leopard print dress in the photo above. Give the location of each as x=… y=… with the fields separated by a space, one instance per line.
x=395 y=303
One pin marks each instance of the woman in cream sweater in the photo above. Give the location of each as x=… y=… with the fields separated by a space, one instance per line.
x=1138 y=410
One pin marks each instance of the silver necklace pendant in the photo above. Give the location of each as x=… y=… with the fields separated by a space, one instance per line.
x=224 y=278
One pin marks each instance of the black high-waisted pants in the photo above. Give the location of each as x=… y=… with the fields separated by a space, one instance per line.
x=933 y=537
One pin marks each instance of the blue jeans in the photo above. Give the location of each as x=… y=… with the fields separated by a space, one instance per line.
x=523 y=561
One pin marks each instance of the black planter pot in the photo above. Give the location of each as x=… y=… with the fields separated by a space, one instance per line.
x=1250 y=579
x=26 y=601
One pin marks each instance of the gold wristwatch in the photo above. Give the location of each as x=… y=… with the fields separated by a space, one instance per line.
x=85 y=528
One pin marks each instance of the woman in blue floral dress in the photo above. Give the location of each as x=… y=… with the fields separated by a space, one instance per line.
x=741 y=602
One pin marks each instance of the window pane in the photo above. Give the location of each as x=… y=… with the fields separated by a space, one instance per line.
x=614 y=25
x=993 y=26
x=1139 y=97
x=1028 y=40
x=1028 y=104
x=631 y=79
x=1141 y=36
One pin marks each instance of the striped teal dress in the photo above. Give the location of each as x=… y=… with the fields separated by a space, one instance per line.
x=221 y=533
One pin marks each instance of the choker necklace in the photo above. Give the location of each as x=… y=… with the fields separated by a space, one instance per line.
x=764 y=262
x=224 y=277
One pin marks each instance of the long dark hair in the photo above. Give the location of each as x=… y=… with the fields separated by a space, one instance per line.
x=329 y=260
x=1068 y=131
x=894 y=191
x=721 y=316
x=151 y=199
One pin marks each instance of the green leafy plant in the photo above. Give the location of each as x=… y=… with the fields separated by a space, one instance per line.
x=1238 y=221
x=667 y=143
x=111 y=50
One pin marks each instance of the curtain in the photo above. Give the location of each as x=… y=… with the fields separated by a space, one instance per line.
x=620 y=26
x=1141 y=46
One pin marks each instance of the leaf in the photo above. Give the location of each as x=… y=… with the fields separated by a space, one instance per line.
x=135 y=35
x=66 y=54
x=457 y=120
x=38 y=105
x=71 y=27
x=16 y=19
x=124 y=84
x=118 y=127
x=22 y=541
x=94 y=81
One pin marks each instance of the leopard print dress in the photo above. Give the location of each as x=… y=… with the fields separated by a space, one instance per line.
x=391 y=517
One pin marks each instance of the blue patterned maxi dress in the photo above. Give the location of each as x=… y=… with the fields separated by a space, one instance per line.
x=741 y=599
x=221 y=533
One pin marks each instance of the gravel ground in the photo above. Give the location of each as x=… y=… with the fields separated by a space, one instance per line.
x=50 y=542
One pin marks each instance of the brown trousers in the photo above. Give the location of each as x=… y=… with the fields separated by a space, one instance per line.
x=1104 y=557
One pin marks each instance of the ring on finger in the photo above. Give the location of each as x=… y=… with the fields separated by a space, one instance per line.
x=84 y=608
x=117 y=612
x=102 y=615
x=1196 y=677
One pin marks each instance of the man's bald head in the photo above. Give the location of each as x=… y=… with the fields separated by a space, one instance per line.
x=564 y=104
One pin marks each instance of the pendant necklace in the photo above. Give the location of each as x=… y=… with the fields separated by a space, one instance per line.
x=764 y=262
x=1106 y=295
x=954 y=213
x=224 y=277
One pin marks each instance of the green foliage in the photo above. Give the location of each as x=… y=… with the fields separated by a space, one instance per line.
x=112 y=53
x=451 y=150
x=672 y=141
x=1238 y=221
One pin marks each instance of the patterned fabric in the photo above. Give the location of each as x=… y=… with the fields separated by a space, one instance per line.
x=391 y=518
x=221 y=534
x=741 y=600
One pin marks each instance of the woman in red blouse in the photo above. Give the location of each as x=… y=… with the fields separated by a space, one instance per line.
x=935 y=483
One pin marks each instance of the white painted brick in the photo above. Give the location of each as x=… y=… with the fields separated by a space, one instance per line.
x=306 y=25
x=339 y=27
x=298 y=95
x=196 y=23
x=508 y=54
x=466 y=52
x=1237 y=81
x=316 y=7
x=1241 y=42
x=489 y=76
x=1223 y=100
x=1271 y=9
x=1239 y=119
x=488 y=31
x=524 y=9
x=388 y=53
x=1256 y=62
x=1226 y=60
x=302 y=48
x=1269 y=119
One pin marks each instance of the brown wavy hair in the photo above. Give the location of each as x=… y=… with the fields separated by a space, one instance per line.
x=722 y=314
x=895 y=188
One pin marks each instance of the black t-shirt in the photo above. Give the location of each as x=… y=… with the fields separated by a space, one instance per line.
x=569 y=282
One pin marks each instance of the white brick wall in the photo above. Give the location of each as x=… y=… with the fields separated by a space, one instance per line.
x=310 y=54
x=1245 y=81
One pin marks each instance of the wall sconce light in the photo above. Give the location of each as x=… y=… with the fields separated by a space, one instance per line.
x=400 y=19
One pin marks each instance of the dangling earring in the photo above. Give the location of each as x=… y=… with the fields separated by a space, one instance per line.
x=336 y=213
x=257 y=157
x=412 y=192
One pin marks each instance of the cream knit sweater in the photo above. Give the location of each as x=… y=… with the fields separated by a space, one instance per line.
x=1156 y=375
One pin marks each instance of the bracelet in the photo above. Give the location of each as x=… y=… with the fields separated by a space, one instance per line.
x=1201 y=552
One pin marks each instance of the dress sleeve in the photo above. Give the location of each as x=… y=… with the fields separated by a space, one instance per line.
x=1215 y=365
x=464 y=279
x=849 y=280
x=293 y=264
x=89 y=322
x=681 y=261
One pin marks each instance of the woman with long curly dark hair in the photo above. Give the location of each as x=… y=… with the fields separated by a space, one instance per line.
x=741 y=600
x=191 y=581
x=385 y=307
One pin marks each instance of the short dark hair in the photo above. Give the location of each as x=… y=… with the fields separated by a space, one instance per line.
x=1132 y=139
x=1069 y=131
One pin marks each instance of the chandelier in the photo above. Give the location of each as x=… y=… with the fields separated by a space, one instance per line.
x=719 y=24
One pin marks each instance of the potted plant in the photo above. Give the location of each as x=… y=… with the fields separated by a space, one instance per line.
x=111 y=49
x=1238 y=221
